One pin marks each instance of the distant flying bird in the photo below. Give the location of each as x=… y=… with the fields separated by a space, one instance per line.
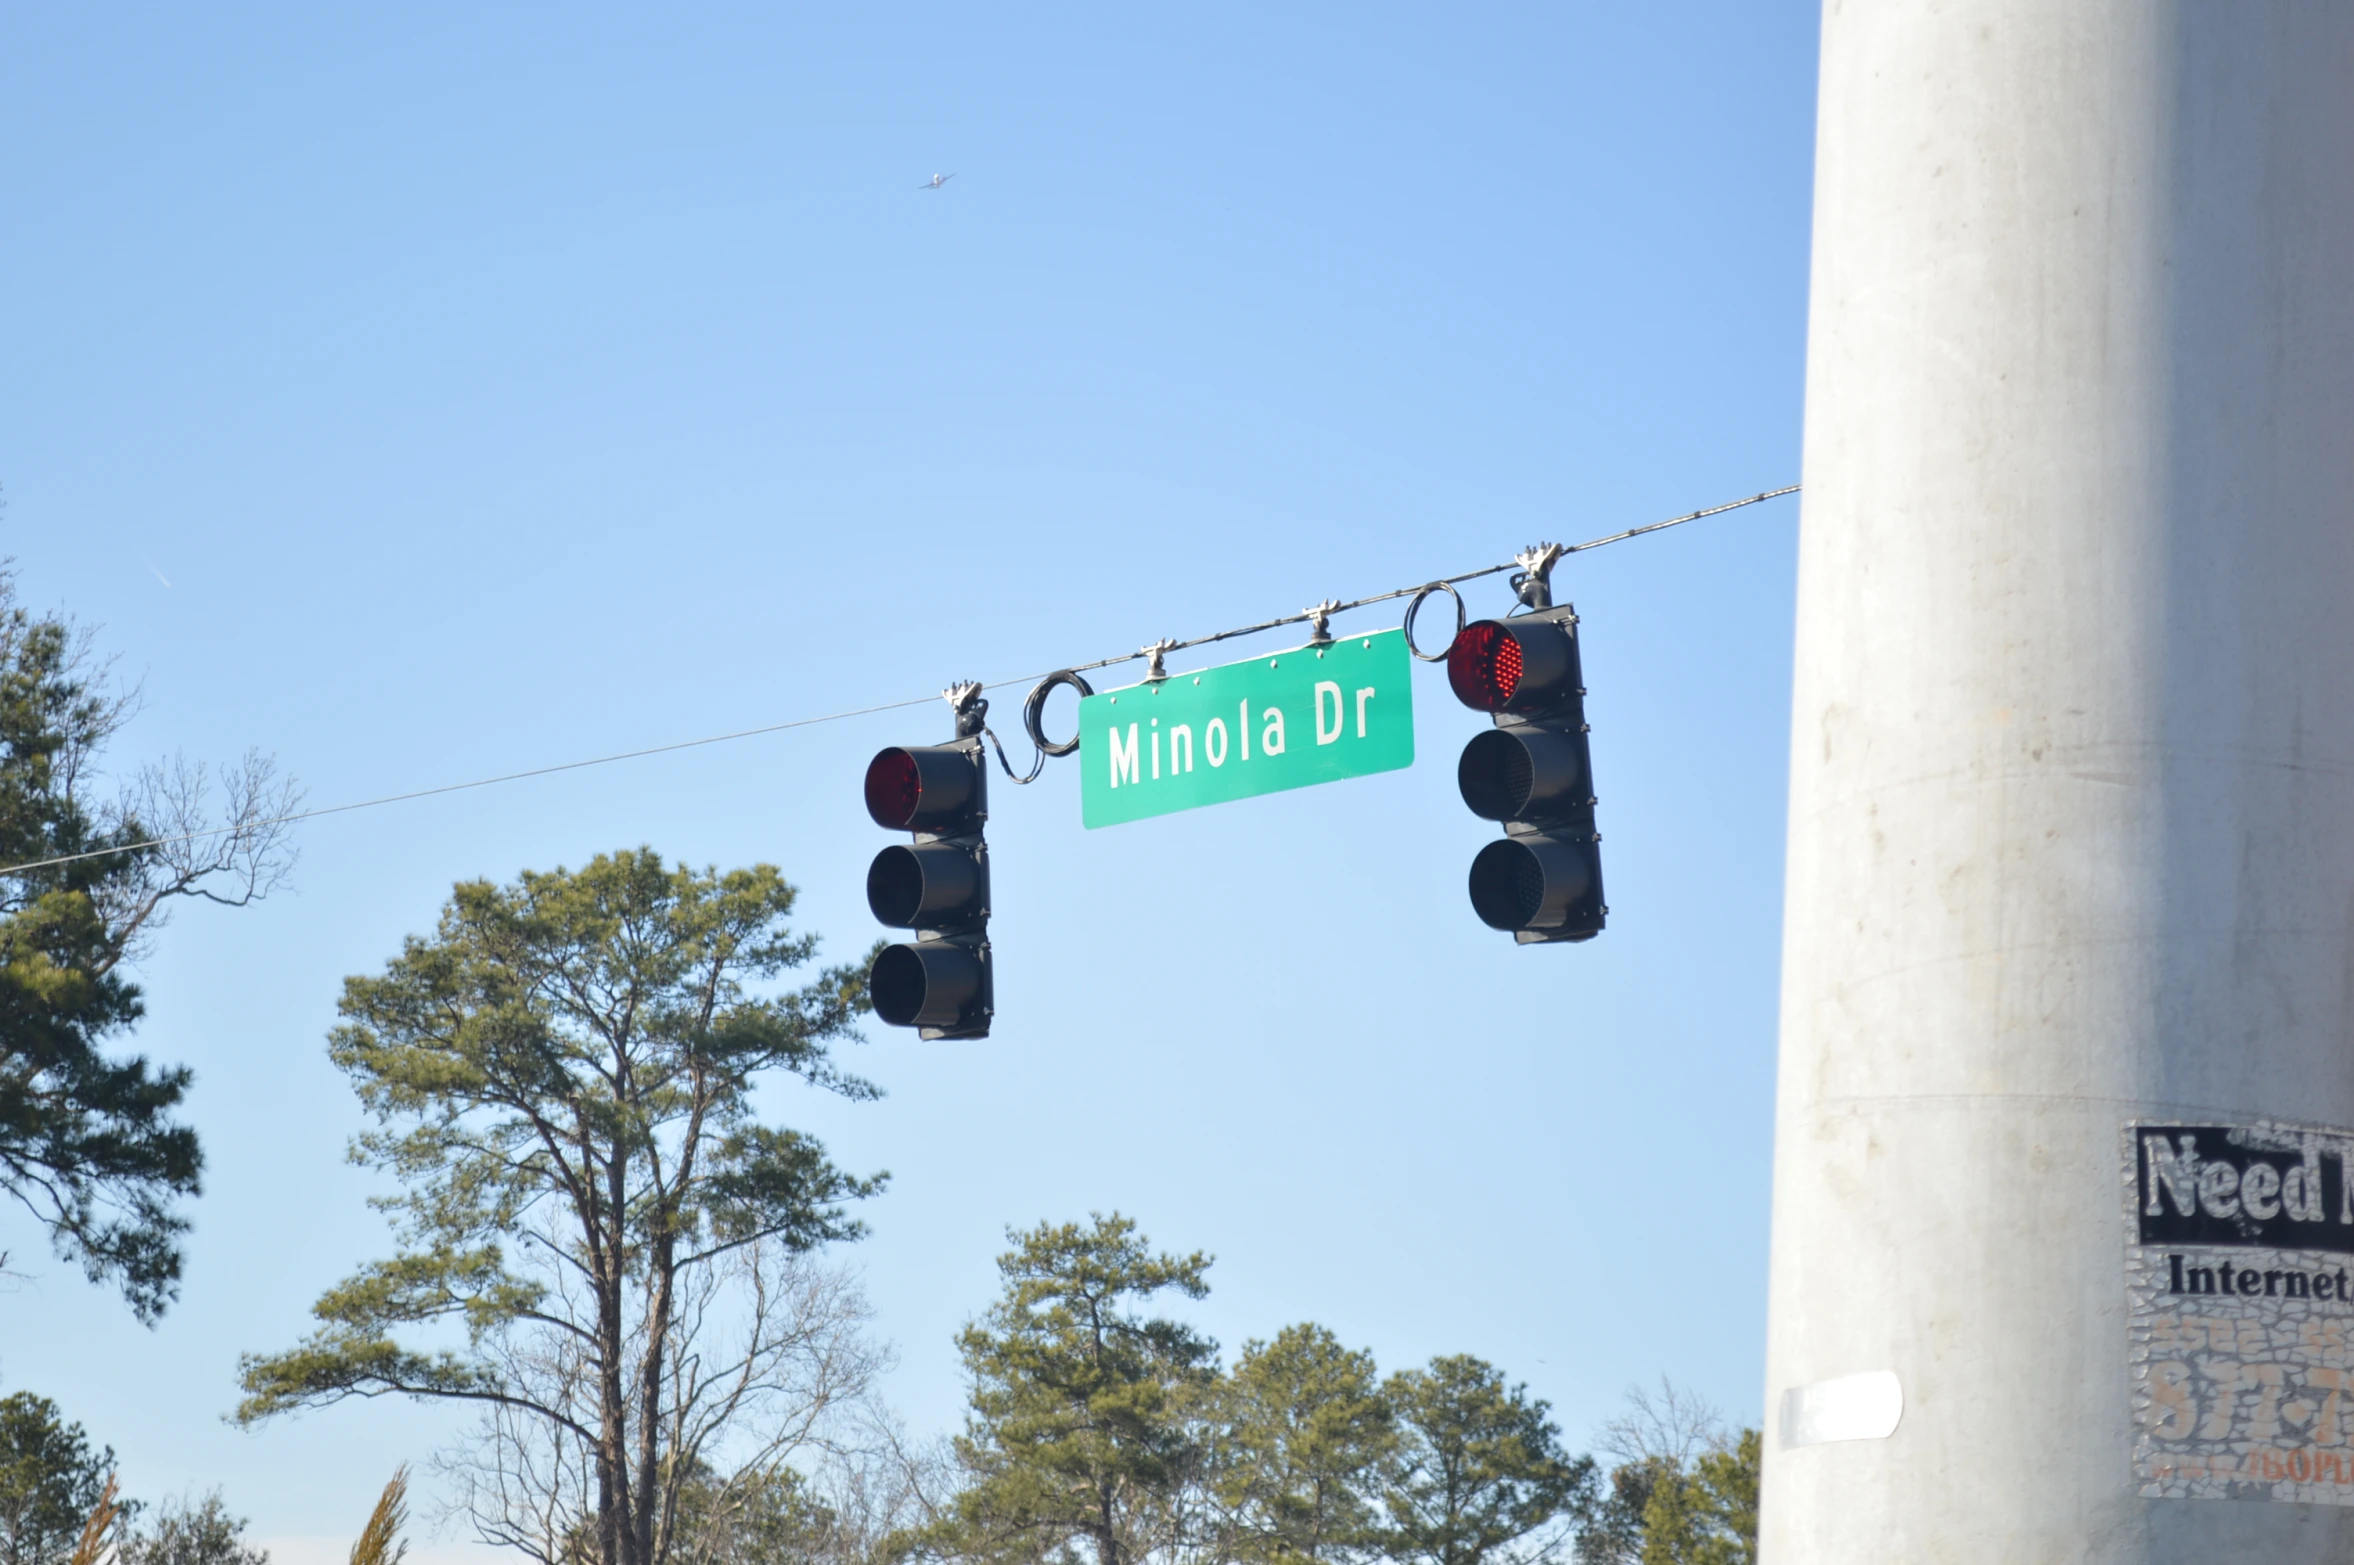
x=935 y=182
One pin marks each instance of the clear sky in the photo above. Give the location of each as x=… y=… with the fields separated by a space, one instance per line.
x=426 y=392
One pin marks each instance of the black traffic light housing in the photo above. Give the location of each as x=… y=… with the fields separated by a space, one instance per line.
x=940 y=982
x=1533 y=772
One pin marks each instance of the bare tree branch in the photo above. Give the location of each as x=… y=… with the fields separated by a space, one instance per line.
x=233 y=852
x=1672 y=1425
x=767 y=1363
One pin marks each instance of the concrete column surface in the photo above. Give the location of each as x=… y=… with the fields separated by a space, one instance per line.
x=2072 y=777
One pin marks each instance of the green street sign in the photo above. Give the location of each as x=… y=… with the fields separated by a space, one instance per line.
x=1310 y=715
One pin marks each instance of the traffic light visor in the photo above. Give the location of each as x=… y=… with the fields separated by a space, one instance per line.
x=918 y=788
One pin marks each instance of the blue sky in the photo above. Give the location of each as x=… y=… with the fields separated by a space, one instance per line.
x=498 y=386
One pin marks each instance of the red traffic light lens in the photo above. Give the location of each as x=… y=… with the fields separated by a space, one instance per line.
x=1514 y=665
x=894 y=789
x=929 y=787
x=1484 y=666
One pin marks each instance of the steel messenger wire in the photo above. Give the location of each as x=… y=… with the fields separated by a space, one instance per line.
x=1319 y=613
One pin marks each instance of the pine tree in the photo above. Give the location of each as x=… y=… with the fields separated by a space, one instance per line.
x=88 y=1142
x=1479 y=1468
x=1708 y=1514
x=51 y=1481
x=1304 y=1431
x=1086 y=1422
x=564 y=1081
x=196 y=1530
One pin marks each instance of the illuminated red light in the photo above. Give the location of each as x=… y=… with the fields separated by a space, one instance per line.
x=1483 y=666
x=894 y=789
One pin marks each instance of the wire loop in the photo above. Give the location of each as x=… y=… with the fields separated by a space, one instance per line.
x=1440 y=656
x=1034 y=711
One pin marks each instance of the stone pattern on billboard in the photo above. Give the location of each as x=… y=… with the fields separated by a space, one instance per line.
x=2241 y=1310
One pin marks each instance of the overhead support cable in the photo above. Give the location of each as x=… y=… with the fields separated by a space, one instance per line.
x=1316 y=616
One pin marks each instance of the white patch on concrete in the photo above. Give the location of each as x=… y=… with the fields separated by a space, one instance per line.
x=1850 y=1407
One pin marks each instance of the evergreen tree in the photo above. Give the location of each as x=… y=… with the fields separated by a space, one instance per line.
x=88 y=1143
x=193 y=1531
x=1707 y=1515
x=1683 y=1492
x=767 y=1518
x=1479 y=1468
x=1303 y=1432
x=1614 y=1533
x=50 y=1481
x=1085 y=1429
x=563 y=1077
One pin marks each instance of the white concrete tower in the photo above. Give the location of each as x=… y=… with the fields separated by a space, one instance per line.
x=2072 y=795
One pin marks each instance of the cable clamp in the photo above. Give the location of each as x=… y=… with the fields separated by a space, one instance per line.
x=1153 y=667
x=1533 y=582
x=972 y=712
x=1320 y=621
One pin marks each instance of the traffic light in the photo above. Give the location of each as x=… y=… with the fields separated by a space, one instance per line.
x=937 y=885
x=1533 y=773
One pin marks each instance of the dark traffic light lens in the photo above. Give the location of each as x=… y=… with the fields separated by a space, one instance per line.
x=894 y=787
x=1483 y=666
x=1494 y=775
x=1517 y=774
x=932 y=884
x=927 y=984
x=1528 y=882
